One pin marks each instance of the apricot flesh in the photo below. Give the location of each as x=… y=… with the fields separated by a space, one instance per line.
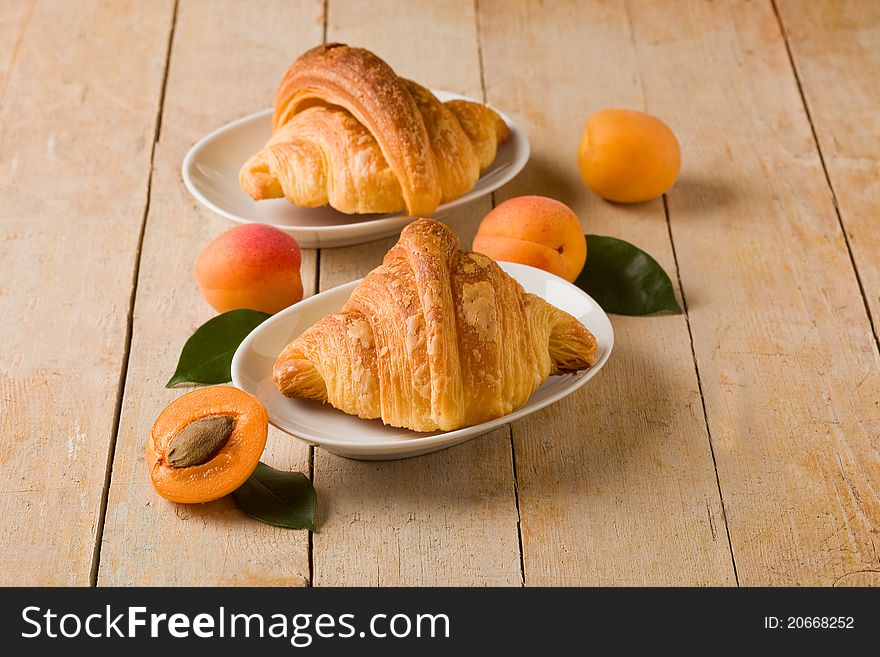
x=251 y=266
x=628 y=156
x=536 y=231
x=227 y=463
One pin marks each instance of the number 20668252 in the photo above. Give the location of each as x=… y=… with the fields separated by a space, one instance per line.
x=809 y=622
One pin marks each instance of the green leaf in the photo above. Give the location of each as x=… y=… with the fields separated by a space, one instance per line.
x=625 y=280
x=276 y=497
x=207 y=355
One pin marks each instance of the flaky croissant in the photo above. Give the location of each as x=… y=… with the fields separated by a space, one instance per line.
x=349 y=133
x=434 y=338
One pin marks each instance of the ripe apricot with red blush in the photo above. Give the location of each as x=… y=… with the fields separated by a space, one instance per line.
x=251 y=266
x=536 y=231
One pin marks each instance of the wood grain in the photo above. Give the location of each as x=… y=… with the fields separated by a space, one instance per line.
x=784 y=347
x=70 y=117
x=224 y=64
x=834 y=46
x=616 y=483
x=448 y=518
x=15 y=17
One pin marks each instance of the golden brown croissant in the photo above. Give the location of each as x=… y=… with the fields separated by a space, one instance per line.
x=349 y=133
x=434 y=338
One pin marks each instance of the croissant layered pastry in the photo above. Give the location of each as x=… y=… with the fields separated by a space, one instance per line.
x=349 y=133
x=434 y=338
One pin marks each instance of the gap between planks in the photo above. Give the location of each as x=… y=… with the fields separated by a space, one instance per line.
x=123 y=370
x=687 y=319
x=519 y=537
x=317 y=290
x=800 y=87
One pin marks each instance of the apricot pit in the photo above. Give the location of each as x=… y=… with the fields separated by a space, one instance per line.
x=199 y=441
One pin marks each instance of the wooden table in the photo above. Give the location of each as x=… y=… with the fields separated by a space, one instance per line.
x=735 y=444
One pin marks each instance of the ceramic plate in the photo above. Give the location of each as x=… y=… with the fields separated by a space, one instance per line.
x=347 y=435
x=210 y=172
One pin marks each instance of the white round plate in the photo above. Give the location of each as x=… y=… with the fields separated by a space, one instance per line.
x=350 y=436
x=210 y=173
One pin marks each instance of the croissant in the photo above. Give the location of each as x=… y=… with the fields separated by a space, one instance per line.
x=434 y=338
x=349 y=133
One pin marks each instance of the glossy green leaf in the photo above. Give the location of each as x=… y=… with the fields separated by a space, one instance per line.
x=277 y=497
x=207 y=355
x=625 y=280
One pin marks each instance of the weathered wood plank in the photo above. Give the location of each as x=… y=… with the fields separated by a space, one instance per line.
x=786 y=356
x=15 y=16
x=76 y=128
x=224 y=64
x=834 y=46
x=616 y=483
x=447 y=518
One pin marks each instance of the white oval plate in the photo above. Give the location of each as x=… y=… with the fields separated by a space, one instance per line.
x=350 y=436
x=210 y=173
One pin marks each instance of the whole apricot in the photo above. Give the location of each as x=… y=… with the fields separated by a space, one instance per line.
x=206 y=443
x=251 y=266
x=628 y=156
x=536 y=231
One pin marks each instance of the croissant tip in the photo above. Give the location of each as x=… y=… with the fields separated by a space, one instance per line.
x=426 y=224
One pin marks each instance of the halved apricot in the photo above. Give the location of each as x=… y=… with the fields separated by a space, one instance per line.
x=206 y=444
